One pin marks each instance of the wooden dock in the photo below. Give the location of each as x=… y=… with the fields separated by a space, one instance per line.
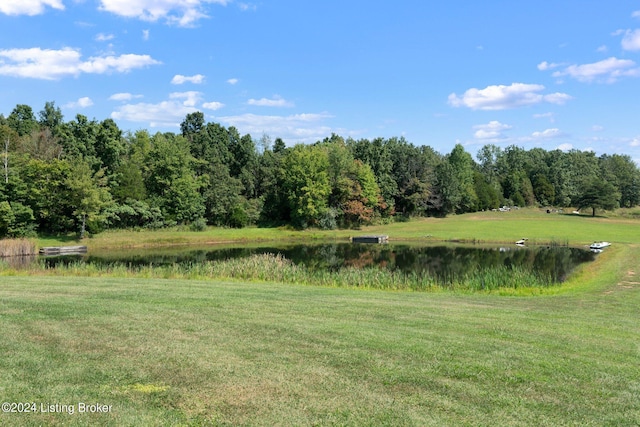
x=370 y=239
x=63 y=250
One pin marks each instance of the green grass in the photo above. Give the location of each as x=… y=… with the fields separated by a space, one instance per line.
x=176 y=352
x=249 y=352
x=535 y=224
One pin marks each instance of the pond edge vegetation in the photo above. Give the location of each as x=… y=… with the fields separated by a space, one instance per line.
x=274 y=268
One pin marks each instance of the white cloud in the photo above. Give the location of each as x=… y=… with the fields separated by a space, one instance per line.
x=104 y=37
x=247 y=7
x=232 y=81
x=548 y=134
x=602 y=49
x=163 y=114
x=124 y=96
x=50 y=64
x=492 y=130
x=549 y=116
x=501 y=97
x=213 y=105
x=183 y=13
x=557 y=98
x=169 y=113
x=180 y=79
x=631 y=40
x=606 y=71
x=276 y=101
x=544 y=66
x=83 y=102
x=597 y=128
x=145 y=35
x=635 y=142
x=190 y=98
x=297 y=127
x=636 y=14
x=564 y=147
x=28 y=7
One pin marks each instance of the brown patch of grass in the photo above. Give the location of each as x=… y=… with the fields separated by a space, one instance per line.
x=17 y=247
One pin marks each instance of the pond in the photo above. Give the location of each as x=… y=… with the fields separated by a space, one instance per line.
x=444 y=261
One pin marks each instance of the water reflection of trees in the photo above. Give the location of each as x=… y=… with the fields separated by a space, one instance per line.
x=447 y=263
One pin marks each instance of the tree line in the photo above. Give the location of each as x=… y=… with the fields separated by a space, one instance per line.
x=86 y=175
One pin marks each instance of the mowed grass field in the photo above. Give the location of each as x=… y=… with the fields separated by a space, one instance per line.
x=208 y=352
x=505 y=227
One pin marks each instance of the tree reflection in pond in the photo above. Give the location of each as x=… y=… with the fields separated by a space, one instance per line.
x=447 y=262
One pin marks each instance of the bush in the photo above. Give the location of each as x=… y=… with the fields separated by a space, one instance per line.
x=327 y=220
x=16 y=220
x=199 y=224
x=238 y=217
x=133 y=214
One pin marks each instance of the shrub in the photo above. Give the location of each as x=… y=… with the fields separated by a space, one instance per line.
x=199 y=224
x=16 y=220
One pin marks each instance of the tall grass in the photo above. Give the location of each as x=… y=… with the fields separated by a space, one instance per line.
x=277 y=268
x=17 y=247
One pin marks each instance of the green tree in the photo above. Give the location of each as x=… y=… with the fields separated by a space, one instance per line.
x=130 y=174
x=377 y=154
x=513 y=169
x=89 y=194
x=109 y=146
x=598 y=194
x=243 y=162
x=279 y=146
x=170 y=180
x=43 y=186
x=271 y=175
x=363 y=195
x=306 y=183
x=463 y=167
x=217 y=151
x=414 y=174
x=488 y=197
x=583 y=169
x=354 y=191
x=543 y=190
x=22 y=120
x=192 y=125
x=448 y=192
x=7 y=218
x=51 y=117
x=623 y=173
x=78 y=140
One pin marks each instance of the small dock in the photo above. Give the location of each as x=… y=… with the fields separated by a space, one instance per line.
x=63 y=250
x=370 y=239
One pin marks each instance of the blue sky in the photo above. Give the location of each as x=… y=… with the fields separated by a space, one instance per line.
x=551 y=74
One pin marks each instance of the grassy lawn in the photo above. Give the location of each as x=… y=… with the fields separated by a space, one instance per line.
x=508 y=227
x=195 y=352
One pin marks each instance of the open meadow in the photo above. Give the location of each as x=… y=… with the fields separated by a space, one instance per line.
x=504 y=227
x=172 y=351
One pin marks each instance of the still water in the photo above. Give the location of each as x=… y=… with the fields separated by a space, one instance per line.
x=445 y=261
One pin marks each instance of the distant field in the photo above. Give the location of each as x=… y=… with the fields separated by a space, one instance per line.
x=534 y=224
x=209 y=352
